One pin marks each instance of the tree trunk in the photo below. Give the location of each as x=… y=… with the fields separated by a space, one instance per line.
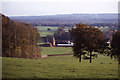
x=119 y=59
x=118 y=67
x=119 y=70
x=80 y=58
x=90 y=56
x=8 y=47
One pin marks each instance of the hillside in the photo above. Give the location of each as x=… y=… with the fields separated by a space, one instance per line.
x=68 y=19
x=60 y=67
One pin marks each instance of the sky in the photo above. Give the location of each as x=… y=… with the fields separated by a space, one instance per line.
x=53 y=7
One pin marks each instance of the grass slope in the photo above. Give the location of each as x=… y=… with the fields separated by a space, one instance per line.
x=60 y=67
x=56 y=50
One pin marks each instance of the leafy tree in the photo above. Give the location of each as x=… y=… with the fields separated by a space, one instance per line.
x=48 y=29
x=62 y=35
x=115 y=48
x=61 y=28
x=19 y=39
x=87 y=38
x=94 y=41
x=78 y=35
x=115 y=45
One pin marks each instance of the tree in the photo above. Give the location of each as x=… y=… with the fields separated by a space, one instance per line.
x=48 y=29
x=62 y=35
x=115 y=48
x=19 y=39
x=61 y=28
x=94 y=41
x=87 y=38
x=78 y=35
x=115 y=45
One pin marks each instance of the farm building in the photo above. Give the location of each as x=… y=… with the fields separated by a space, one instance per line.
x=60 y=39
x=64 y=43
x=50 y=41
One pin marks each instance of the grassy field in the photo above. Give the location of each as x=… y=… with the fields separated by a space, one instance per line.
x=60 y=67
x=44 y=32
x=56 y=50
x=44 y=28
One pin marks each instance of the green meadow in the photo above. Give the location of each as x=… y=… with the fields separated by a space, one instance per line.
x=60 y=67
x=46 y=27
x=44 y=32
x=56 y=50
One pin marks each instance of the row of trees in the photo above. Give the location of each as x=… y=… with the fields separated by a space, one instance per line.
x=19 y=39
x=91 y=39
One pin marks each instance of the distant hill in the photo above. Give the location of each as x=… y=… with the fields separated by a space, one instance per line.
x=68 y=19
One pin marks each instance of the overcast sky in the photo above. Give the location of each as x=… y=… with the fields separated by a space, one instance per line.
x=52 y=7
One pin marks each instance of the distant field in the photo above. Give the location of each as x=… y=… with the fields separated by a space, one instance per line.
x=56 y=50
x=60 y=67
x=44 y=32
x=46 y=27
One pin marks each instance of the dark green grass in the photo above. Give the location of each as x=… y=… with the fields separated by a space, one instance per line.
x=56 y=50
x=60 y=67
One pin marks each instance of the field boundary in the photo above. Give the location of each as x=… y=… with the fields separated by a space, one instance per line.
x=59 y=54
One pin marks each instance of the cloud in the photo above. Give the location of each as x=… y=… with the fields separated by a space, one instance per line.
x=51 y=8
x=60 y=0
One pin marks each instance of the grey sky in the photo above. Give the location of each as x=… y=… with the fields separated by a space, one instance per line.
x=35 y=7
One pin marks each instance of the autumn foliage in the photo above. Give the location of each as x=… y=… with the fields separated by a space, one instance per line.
x=19 y=39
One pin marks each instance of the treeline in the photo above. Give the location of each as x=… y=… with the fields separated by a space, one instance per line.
x=103 y=24
x=90 y=39
x=69 y=24
x=69 y=19
x=51 y=24
x=19 y=39
x=61 y=34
